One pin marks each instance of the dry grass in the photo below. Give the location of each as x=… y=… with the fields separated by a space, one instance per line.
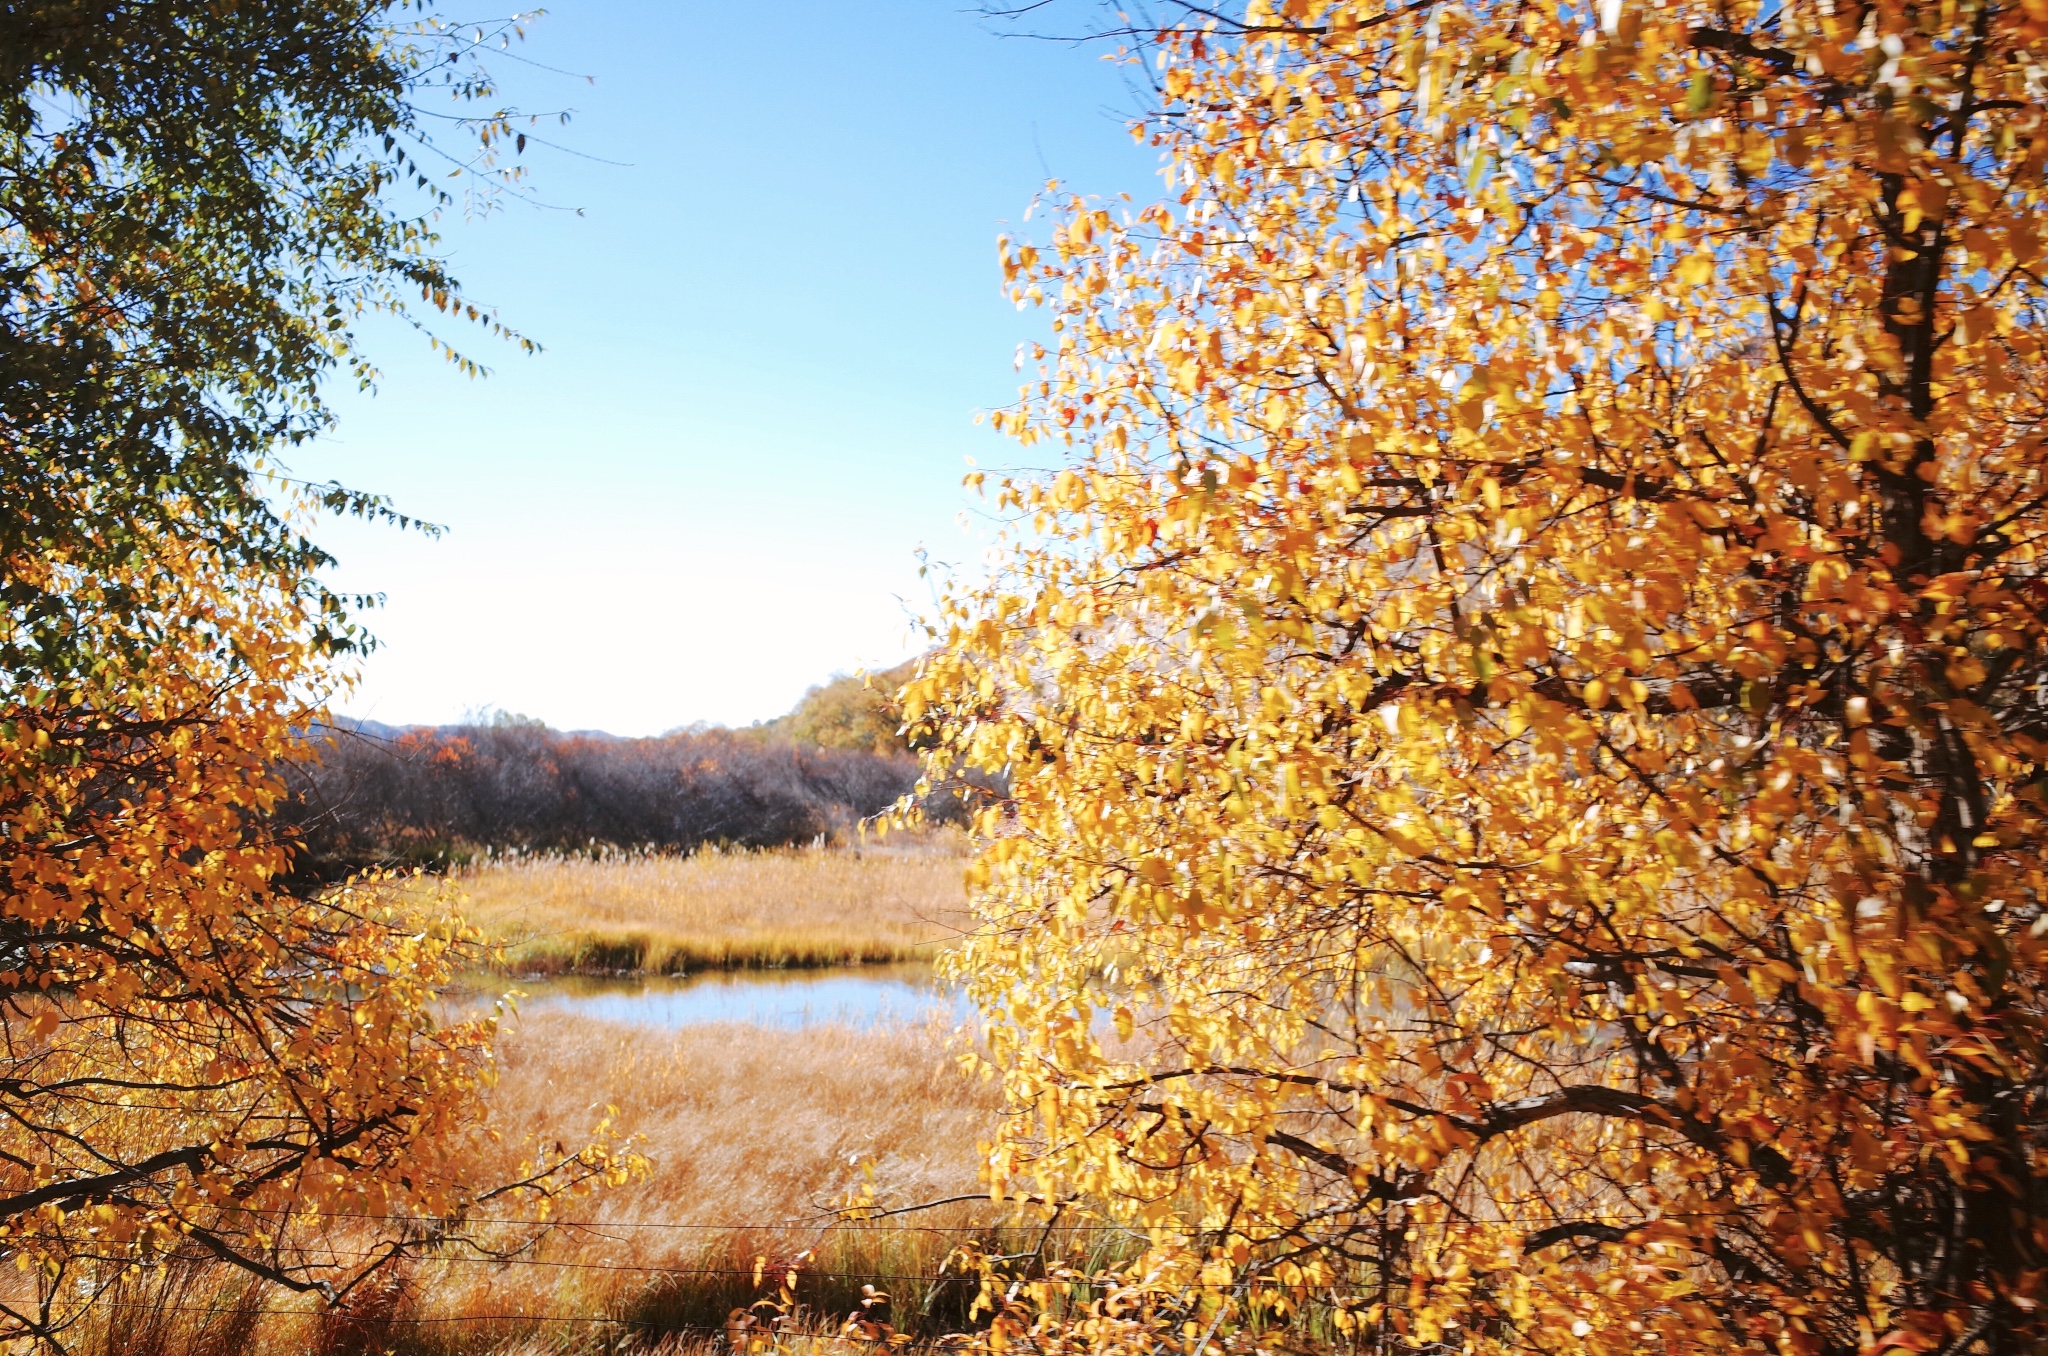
x=746 y=1125
x=652 y=914
x=752 y=1134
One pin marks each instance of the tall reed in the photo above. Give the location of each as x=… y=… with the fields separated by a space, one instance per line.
x=654 y=913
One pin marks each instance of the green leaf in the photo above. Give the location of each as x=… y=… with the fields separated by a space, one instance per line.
x=1701 y=96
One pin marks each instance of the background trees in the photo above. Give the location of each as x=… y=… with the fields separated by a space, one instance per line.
x=364 y=799
x=1524 y=697
x=197 y=201
x=850 y=711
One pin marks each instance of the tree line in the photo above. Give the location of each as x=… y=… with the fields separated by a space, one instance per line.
x=367 y=794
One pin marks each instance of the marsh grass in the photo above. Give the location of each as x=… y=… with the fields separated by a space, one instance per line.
x=753 y=1136
x=660 y=914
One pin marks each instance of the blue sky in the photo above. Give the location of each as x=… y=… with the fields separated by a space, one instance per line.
x=766 y=336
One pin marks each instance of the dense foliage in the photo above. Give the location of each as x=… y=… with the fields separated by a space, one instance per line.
x=1524 y=698
x=371 y=796
x=193 y=1061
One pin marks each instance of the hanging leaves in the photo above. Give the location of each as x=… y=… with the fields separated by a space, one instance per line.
x=200 y=206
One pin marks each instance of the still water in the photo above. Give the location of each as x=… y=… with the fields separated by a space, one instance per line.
x=874 y=995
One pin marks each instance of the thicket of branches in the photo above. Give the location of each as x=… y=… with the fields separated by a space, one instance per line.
x=433 y=794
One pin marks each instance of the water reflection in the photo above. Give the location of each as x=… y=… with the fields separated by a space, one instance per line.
x=868 y=996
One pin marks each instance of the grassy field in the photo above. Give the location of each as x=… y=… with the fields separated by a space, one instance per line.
x=652 y=914
x=753 y=1137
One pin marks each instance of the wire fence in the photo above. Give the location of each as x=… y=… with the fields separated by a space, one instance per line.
x=873 y=1224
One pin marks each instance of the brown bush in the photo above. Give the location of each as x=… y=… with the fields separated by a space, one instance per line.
x=435 y=795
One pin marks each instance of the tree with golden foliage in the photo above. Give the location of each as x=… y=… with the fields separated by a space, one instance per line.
x=196 y=1061
x=848 y=711
x=1526 y=696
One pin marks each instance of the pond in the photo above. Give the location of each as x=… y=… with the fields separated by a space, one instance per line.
x=866 y=996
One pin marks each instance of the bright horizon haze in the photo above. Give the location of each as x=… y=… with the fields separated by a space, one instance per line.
x=766 y=334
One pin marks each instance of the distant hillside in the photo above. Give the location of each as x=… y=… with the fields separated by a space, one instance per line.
x=379 y=793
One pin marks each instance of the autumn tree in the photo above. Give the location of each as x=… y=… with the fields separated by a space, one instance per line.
x=198 y=201
x=1524 y=689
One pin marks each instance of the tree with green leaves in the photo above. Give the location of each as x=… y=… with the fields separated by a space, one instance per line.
x=199 y=202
